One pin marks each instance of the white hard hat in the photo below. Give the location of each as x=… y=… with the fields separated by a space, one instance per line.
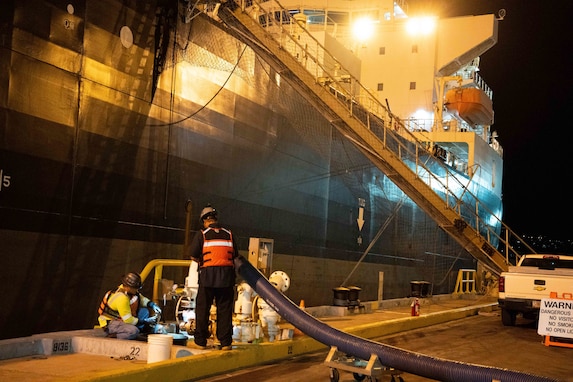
x=207 y=212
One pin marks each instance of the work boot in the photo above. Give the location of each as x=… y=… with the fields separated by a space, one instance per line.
x=194 y=345
x=226 y=348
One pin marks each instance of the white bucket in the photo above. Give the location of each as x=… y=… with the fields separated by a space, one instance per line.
x=159 y=347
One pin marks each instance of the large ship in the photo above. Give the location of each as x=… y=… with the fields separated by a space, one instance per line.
x=121 y=119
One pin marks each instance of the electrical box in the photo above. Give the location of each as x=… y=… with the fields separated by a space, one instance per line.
x=261 y=254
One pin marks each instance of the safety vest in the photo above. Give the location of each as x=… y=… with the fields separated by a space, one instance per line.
x=218 y=250
x=105 y=310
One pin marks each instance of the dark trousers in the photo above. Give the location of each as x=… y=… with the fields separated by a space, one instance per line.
x=224 y=301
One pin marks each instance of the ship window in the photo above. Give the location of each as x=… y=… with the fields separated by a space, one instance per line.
x=315 y=16
x=338 y=18
x=414 y=48
x=281 y=16
x=412 y=85
x=382 y=50
x=380 y=86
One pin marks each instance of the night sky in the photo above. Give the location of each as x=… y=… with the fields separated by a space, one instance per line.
x=530 y=70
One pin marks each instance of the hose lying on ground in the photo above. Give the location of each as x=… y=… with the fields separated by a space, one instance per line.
x=399 y=359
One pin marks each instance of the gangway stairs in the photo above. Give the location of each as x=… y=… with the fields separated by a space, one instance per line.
x=320 y=78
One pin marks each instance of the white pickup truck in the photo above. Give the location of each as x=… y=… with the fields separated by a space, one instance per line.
x=523 y=286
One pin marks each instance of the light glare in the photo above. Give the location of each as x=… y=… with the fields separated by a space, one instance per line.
x=363 y=29
x=421 y=25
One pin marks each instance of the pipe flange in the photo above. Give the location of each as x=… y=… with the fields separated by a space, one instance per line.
x=280 y=280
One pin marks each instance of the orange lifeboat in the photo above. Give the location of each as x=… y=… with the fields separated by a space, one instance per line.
x=471 y=104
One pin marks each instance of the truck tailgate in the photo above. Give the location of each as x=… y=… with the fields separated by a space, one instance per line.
x=535 y=285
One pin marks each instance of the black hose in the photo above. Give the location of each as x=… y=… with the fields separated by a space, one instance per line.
x=399 y=359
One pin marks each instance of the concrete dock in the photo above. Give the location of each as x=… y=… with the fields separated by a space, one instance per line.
x=87 y=355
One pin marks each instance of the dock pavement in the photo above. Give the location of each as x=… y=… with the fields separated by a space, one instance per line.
x=92 y=357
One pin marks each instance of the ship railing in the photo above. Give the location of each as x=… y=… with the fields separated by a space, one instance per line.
x=480 y=82
x=329 y=71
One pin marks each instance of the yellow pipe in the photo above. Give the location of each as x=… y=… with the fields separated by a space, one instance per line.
x=158 y=265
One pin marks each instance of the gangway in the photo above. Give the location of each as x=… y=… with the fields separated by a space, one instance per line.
x=321 y=79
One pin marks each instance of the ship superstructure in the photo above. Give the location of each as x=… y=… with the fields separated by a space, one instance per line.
x=419 y=68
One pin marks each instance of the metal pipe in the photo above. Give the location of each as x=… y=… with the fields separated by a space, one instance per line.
x=158 y=265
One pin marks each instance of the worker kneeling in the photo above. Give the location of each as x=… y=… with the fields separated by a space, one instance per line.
x=125 y=313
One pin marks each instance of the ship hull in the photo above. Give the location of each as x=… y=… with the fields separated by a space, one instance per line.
x=105 y=144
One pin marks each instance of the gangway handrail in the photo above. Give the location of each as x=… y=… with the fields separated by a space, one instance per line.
x=346 y=89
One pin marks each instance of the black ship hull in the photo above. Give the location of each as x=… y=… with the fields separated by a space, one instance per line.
x=103 y=144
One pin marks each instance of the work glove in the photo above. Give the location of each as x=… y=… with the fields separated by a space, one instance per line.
x=155 y=308
x=151 y=320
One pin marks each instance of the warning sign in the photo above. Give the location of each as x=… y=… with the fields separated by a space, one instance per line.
x=556 y=318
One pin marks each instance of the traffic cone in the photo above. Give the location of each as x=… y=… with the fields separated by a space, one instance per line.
x=297 y=331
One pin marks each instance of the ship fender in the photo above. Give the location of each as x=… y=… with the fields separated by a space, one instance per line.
x=399 y=359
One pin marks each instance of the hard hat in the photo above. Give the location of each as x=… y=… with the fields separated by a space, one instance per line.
x=132 y=280
x=207 y=212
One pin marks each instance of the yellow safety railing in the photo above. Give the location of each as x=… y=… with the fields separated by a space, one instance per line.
x=466 y=282
x=158 y=265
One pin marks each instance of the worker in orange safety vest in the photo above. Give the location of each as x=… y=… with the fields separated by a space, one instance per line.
x=214 y=248
x=125 y=313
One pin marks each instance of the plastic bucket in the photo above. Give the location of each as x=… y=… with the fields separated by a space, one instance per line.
x=159 y=347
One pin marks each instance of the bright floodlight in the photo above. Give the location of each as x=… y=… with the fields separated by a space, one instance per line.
x=421 y=25
x=363 y=29
x=422 y=114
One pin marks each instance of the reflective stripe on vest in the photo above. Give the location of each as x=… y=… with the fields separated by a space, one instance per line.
x=105 y=310
x=103 y=307
x=218 y=248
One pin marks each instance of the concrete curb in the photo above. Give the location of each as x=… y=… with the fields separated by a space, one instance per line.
x=218 y=362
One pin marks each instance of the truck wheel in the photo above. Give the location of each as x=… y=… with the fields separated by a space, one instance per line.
x=508 y=317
